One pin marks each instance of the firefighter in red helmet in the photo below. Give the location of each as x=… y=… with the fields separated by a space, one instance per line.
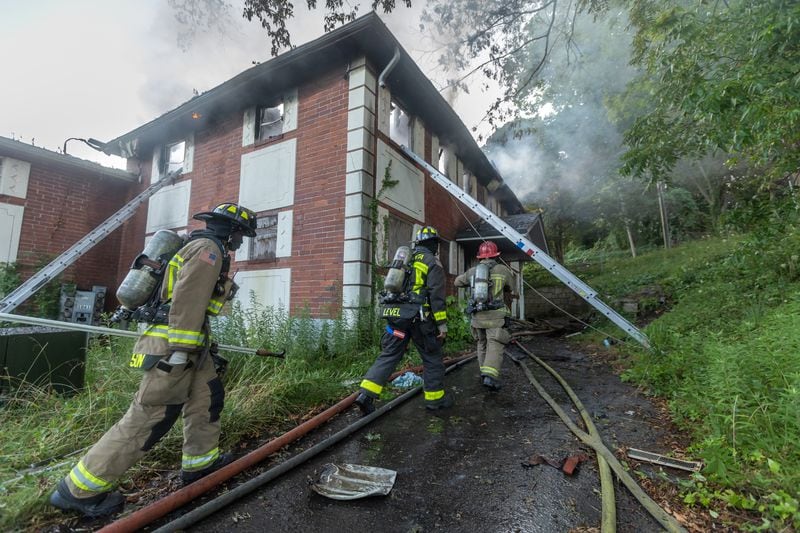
x=489 y=281
x=180 y=371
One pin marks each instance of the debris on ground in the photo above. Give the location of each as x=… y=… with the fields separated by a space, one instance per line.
x=663 y=460
x=406 y=380
x=351 y=482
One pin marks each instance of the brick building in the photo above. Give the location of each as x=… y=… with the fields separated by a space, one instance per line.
x=48 y=201
x=311 y=140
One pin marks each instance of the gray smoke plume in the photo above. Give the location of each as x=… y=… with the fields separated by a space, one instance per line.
x=572 y=145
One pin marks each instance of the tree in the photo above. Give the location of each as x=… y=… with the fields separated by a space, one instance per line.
x=722 y=76
x=273 y=15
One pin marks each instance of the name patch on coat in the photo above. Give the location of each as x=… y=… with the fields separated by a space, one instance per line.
x=208 y=257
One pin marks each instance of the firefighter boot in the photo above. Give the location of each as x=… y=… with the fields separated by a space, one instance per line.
x=444 y=402
x=95 y=506
x=491 y=383
x=365 y=402
x=191 y=477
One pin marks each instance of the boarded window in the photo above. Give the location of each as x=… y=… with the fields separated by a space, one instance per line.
x=169 y=207
x=10 y=226
x=399 y=235
x=264 y=244
x=408 y=194
x=267 y=176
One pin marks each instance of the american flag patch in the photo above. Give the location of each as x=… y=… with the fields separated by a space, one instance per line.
x=208 y=257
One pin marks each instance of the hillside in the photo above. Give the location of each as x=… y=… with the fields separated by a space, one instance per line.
x=726 y=357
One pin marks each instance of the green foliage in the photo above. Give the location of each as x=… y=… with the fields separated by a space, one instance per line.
x=720 y=76
x=9 y=278
x=459 y=331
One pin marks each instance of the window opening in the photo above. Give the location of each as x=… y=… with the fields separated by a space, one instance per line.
x=444 y=161
x=270 y=121
x=399 y=234
x=466 y=184
x=400 y=125
x=444 y=255
x=175 y=155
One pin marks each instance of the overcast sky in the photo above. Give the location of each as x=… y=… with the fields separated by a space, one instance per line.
x=100 y=68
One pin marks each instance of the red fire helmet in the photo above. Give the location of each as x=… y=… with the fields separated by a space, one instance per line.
x=487 y=249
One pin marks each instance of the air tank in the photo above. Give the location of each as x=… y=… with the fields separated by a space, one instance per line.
x=480 y=284
x=397 y=270
x=139 y=283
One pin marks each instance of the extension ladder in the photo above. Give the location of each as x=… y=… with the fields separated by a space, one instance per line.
x=552 y=266
x=60 y=263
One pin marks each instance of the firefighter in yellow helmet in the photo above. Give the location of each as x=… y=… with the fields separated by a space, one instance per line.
x=180 y=378
x=489 y=281
x=418 y=313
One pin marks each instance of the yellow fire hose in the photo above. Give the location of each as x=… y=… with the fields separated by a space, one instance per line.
x=606 y=460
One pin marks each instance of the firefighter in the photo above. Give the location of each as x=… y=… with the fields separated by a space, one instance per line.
x=490 y=282
x=419 y=314
x=180 y=377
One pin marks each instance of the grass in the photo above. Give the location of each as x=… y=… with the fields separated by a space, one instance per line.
x=726 y=355
x=264 y=396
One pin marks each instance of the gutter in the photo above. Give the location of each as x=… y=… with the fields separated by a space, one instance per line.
x=389 y=68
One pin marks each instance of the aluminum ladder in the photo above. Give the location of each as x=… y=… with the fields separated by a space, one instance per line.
x=67 y=258
x=552 y=266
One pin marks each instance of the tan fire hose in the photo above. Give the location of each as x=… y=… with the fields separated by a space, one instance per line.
x=666 y=520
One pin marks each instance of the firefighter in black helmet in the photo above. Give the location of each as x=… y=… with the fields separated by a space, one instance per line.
x=419 y=313
x=180 y=378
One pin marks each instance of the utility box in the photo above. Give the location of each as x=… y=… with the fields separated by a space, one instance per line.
x=82 y=307
x=43 y=357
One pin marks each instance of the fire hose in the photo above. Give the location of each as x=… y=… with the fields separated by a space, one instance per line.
x=71 y=326
x=592 y=439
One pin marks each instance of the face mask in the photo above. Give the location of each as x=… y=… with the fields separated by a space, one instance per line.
x=235 y=240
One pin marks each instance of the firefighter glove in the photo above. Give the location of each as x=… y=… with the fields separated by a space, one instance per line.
x=442 y=331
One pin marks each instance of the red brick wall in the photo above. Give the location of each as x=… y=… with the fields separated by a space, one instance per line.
x=61 y=207
x=318 y=209
x=317 y=248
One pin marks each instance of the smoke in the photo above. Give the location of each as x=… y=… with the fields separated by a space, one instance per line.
x=189 y=51
x=571 y=145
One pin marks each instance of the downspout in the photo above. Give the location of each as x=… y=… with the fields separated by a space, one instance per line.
x=389 y=67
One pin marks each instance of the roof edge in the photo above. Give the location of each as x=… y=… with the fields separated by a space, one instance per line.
x=34 y=154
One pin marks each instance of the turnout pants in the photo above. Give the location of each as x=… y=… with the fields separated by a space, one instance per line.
x=193 y=390
x=393 y=346
x=490 y=345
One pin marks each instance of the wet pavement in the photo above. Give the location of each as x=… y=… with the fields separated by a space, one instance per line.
x=462 y=470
